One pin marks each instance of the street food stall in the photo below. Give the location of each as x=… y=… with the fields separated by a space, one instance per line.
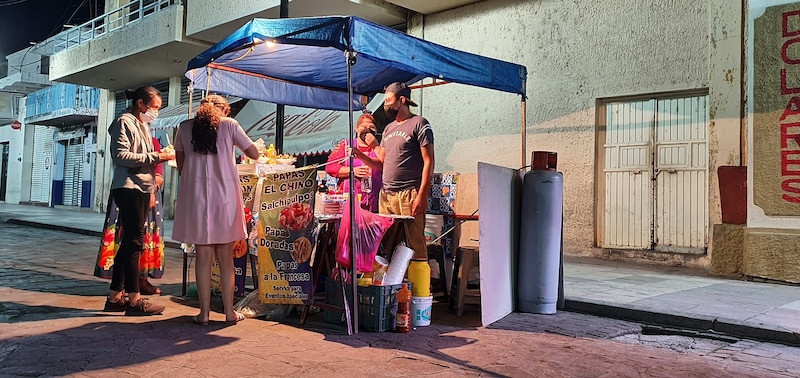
x=335 y=63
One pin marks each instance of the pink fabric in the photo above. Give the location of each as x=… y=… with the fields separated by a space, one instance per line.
x=157 y=148
x=209 y=207
x=369 y=201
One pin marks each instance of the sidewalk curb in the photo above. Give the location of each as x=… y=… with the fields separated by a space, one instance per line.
x=739 y=329
x=74 y=230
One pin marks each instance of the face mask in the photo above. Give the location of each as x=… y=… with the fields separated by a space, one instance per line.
x=391 y=113
x=149 y=116
x=364 y=134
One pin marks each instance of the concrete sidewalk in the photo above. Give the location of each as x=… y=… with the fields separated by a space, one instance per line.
x=669 y=297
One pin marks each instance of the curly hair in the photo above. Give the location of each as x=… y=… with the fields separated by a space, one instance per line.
x=204 y=132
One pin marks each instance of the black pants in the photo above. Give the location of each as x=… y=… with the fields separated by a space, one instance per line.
x=133 y=206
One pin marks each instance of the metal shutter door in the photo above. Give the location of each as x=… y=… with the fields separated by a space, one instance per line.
x=42 y=164
x=73 y=163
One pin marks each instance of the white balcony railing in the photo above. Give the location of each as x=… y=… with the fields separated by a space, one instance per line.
x=113 y=20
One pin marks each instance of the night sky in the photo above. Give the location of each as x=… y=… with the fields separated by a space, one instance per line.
x=24 y=21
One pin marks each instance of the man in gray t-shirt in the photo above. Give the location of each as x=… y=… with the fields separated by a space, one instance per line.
x=405 y=155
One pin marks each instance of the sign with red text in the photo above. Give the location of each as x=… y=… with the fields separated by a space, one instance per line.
x=285 y=206
x=240 y=247
x=776 y=110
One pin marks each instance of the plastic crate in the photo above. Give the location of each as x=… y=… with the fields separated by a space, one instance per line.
x=377 y=305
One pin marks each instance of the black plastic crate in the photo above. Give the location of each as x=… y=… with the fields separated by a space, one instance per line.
x=377 y=305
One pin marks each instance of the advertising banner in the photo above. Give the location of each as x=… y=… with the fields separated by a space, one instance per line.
x=776 y=108
x=285 y=211
x=240 y=247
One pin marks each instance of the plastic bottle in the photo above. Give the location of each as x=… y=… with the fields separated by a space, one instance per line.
x=403 y=318
x=419 y=273
x=272 y=154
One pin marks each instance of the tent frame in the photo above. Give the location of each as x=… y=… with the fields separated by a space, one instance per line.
x=208 y=61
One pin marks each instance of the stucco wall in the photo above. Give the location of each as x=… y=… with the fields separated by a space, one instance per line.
x=151 y=31
x=15 y=139
x=207 y=14
x=103 y=168
x=776 y=99
x=772 y=253
x=766 y=208
x=575 y=53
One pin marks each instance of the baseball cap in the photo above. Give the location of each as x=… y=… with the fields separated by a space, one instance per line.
x=401 y=89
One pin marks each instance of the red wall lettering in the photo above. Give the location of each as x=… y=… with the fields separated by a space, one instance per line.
x=785 y=90
x=791 y=186
x=790 y=131
x=785 y=24
x=792 y=108
x=785 y=51
x=788 y=136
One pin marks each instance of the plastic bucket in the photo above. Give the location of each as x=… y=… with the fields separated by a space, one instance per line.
x=421 y=308
x=433 y=227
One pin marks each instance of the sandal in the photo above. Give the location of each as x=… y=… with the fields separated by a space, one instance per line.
x=239 y=318
x=196 y=320
x=146 y=288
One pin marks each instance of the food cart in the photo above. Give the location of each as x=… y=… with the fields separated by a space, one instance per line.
x=338 y=63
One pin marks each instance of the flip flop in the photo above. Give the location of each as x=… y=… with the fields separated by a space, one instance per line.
x=197 y=321
x=239 y=318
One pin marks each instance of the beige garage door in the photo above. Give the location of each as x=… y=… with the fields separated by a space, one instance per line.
x=656 y=175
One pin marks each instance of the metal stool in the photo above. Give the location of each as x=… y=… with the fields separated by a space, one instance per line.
x=466 y=259
x=438 y=285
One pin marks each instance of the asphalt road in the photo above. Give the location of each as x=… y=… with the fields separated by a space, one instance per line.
x=50 y=325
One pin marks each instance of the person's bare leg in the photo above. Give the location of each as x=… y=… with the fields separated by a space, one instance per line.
x=134 y=298
x=202 y=272
x=115 y=296
x=224 y=254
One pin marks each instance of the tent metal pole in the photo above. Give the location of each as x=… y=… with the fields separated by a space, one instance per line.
x=351 y=60
x=190 y=90
x=524 y=135
x=280 y=109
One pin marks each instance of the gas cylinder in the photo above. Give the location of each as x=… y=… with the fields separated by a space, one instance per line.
x=540 y=241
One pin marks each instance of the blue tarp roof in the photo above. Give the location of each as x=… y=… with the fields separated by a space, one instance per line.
x=302 y=62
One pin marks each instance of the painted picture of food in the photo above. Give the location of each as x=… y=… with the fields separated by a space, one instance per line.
x=302 y=250
x=296 y=216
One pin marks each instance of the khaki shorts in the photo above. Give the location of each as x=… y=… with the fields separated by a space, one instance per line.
x=400 y=203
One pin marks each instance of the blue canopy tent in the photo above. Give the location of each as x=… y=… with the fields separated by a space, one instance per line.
x=335 y=63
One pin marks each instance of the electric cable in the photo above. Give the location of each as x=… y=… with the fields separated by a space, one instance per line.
x=11 y=2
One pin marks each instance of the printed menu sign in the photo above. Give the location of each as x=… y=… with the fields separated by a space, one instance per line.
x=240 y=247
x=285 y=215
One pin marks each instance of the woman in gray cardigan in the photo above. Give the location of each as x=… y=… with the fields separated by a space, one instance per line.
x=133 y=188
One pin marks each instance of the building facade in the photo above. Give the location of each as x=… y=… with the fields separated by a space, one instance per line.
x=643 y=102
x=27 y=72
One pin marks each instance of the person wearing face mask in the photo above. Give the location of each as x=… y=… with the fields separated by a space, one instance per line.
x=341 y=169
x=151 y=259
x=133 y=187
x=405 y=156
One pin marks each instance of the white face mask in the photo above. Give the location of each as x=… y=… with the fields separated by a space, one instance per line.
x=149 y=116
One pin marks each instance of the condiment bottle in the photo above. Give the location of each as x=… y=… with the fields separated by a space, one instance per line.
x=272 y=154
x=403 y=318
